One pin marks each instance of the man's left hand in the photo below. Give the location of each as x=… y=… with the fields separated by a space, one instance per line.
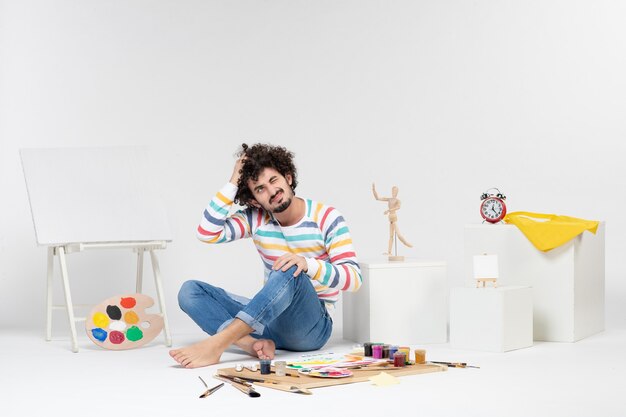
x=288 y=260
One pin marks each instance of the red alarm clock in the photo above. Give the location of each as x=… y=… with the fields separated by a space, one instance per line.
x=493 y=207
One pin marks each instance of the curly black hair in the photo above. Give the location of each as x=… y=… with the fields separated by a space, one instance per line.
x=258 y=157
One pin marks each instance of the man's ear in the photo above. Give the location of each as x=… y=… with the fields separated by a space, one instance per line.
x=252 y=202
x=289 y=179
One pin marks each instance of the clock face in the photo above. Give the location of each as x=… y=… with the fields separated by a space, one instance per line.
x=493 y=209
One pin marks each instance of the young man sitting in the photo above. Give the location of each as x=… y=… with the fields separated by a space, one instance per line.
x=308 y=256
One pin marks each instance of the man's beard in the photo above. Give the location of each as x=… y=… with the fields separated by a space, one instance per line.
x=284 y=205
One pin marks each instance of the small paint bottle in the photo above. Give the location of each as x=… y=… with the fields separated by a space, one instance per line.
x=266 y=366
x=399 y=359
x=377 y=351
x=420 y=356
x=392 y=349
x=367 y=349
x=407 y=352
x=280 y=368
x=386 y=352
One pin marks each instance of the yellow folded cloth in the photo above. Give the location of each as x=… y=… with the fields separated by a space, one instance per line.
x=548 y=231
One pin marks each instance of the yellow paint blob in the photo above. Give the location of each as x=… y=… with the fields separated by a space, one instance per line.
x=131 y=317
x=101 y=320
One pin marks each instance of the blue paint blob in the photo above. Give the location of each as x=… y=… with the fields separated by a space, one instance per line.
x=99 y=334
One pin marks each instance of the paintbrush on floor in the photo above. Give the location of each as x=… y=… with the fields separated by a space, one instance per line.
x=281 y=386
x=241 y=385
x=455 y=364
x=209 y=391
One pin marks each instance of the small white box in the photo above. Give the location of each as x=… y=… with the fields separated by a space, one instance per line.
x=399 y=302
x=567 y=282
x=491 y=319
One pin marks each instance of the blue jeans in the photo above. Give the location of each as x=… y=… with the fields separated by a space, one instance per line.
x=286 y=310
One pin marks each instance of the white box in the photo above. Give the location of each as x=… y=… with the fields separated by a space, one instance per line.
x=568 y=281
x=399 y=302
x=492 y=319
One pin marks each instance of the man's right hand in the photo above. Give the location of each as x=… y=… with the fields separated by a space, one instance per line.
x=234 y=179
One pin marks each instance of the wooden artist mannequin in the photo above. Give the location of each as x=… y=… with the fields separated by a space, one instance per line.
x=393 y=205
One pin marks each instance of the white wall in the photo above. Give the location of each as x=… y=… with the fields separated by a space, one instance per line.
x=443 y=99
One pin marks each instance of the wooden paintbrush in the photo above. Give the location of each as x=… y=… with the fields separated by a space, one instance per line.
x=281 y=386
x=209 y=391
x=242 y=386
x=455 y=364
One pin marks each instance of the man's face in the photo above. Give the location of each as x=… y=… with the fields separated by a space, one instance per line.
x=272 y=191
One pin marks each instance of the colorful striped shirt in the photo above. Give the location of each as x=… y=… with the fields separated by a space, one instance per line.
x=321 y=237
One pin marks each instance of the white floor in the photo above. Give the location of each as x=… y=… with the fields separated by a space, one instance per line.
x=586 y=378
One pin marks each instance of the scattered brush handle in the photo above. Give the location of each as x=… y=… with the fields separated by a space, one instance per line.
x=242 y=386
x=455 y=364
x=209 y=391
x=245 y=380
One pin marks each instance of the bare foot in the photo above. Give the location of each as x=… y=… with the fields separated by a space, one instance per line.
x=204 y=353
x=262 y=348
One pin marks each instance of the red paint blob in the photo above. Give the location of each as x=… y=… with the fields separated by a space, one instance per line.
x=128 y=302
x=116 y=337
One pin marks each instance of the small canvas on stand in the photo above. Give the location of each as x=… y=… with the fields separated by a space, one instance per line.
x=486 y=270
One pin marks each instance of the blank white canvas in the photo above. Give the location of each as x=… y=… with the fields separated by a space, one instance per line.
x=86 y=195
x=486 y=266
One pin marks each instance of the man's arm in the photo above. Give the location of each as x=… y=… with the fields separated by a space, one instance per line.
x=341 y=270
x=216 y=226
x=234 y=178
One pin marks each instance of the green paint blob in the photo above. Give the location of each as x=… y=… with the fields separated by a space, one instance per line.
x=134 y=333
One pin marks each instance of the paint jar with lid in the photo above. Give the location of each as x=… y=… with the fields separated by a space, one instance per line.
x=266 y=366
x=392 y=349
x=377 y=351
x=407 y=352
x=420 y=356
x=280 y=368
x=386 y=352
x=367 y=349
x=399 y=359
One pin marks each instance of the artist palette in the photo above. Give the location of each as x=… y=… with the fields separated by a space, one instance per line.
x=121 y=322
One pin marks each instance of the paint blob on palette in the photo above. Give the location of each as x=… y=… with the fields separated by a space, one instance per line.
x=121 y=322
x=326 y=372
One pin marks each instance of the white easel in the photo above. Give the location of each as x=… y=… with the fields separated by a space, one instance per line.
x=94 y=198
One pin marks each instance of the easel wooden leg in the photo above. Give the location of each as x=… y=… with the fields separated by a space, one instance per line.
x=159 y=289
x=139 y=270
x=49 y=294
x=68 y=297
